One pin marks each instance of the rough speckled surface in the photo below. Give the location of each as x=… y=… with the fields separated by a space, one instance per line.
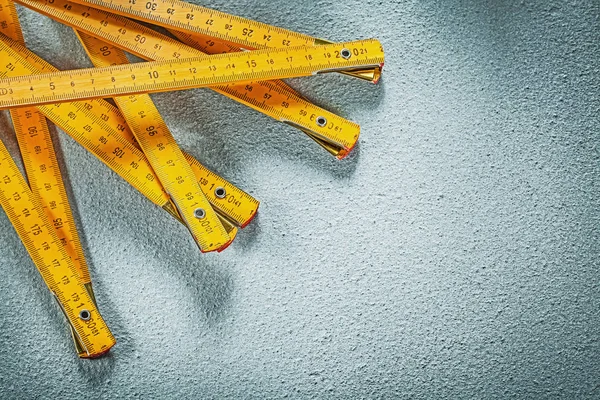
x=454 y=255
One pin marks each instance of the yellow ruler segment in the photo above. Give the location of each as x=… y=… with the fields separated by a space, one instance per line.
x=212 y=45
x=191 y=73
x=187 y=17
x=102 y=129
x=230 y=202
x=275 y=99
x=233 y=204
x=9 y=21
x=27 y=216
x=108 y=126
x=227 y=200
x=45 y=179
x=140 y=114
x=43 y=171
x=165 y=156
x=238 y=207
x=338 y=135
x=87 y=123
x=39 y=158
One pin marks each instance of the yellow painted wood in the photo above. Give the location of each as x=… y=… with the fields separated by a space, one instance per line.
x=234 y=30
x=222 y=69
x=273 y=98
x=27 y=216
x=164 y=154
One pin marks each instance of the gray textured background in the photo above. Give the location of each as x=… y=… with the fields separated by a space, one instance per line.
x=454 y=255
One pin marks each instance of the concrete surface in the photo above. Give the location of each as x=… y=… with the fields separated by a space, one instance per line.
x=454 y=255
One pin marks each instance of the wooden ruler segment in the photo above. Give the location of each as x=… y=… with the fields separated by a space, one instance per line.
x=186 y=17
x=89 y=125
x=101 y=129
x=27 y=216
x=238 y=207
x=227 y=200
x=142 y=78
x=233 y=204
x=212 y=45
x=39 y=158
x=165 y=156
x=275 y=99
x=43 y=171
x=9 y=21
x=338 y=136
x=45 y=180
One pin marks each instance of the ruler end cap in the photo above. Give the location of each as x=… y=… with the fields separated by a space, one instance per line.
x=96 y=355
x=232 y=236
x=378 y=73
x=250 y=219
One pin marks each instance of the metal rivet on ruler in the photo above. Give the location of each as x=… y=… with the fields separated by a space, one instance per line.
x=322 y=121
x=346 y=54
x=220 y=192
x=85 y=315
x=199 y=213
